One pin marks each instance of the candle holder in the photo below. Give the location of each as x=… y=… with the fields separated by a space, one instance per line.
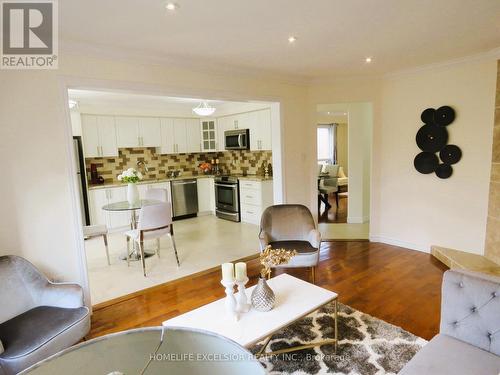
x=242 y=304
x=230 y=302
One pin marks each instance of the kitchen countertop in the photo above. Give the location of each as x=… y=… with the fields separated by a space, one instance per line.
x=183 y=177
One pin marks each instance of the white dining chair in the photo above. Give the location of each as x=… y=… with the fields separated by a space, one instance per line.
x=157 y=195
x=155 y=221
x=91 y=231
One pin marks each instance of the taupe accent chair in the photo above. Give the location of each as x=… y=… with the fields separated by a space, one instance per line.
x=292 y=227
x=38 y=318
x=469 y=336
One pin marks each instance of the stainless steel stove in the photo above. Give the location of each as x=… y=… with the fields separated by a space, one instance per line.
x=227 y=198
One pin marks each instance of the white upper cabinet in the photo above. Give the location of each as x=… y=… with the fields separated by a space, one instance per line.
x=149 y=132
x=180 y=136
x=260 y=130
x=167 y=136
x=193 y=135
x=223 y=124
x=209 y=131
x=99 y=136
x=264 y=124
x=90 y=135
x=138 y=131
x=127 y=132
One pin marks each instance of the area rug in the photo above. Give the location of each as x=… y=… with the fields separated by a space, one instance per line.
x=367 y=345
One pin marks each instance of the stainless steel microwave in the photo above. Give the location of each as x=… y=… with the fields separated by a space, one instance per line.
x=237 y=139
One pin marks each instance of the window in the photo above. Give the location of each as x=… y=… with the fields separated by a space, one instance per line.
x=326 y=142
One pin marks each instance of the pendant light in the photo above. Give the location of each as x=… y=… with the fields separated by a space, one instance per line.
x=204 y=109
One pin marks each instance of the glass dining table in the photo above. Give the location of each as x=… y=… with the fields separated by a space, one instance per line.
x=127 y=206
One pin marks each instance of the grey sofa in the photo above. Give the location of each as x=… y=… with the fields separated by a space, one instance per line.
x=469 y=339
x=291 y=227
x=37 y=318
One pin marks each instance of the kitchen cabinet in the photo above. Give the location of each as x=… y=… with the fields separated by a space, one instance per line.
x=193 y=135
x=167 y=136
x=149 y=132
x=100 y=197
x=209 y=130
x=180 y=136
x=255 y=197
x=223 y=124
x=260 y=130
x=138 y=131
x=99 y=136
x=206 y=195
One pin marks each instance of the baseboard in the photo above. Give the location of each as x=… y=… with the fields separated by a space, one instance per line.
x=396 y=242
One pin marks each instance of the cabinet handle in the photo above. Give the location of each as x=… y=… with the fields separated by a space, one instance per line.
x=250 y=212
x=249 y=196
x=98 y=151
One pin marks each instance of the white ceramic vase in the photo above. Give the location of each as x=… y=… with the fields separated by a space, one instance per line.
x=132 y=194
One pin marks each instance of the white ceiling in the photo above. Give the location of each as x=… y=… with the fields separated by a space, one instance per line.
x=334 y=36
x=112 y=102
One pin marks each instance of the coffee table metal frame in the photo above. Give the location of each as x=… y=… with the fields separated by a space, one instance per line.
x=333 y=341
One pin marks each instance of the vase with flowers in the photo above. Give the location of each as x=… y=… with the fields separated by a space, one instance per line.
x=263 y=297
x=131 y=177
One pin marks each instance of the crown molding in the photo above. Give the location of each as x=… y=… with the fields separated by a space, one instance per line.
x=142 y=57
x=221 y=70
x=482 y=56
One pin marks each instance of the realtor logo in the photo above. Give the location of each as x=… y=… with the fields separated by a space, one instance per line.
x=29 y=34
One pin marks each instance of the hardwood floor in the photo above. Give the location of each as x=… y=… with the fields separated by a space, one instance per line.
x=334 y=214
x=400 y=286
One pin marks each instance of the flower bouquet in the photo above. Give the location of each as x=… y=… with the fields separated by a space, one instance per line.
x=205 y=167
x=131 y=177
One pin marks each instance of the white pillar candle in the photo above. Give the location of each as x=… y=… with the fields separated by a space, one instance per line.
x=241 y=271
x=227 y=272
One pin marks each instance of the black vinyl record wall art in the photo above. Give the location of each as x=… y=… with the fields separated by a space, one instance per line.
x=432 y=138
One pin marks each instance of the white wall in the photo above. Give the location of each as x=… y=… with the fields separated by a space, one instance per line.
x=416 y=210
x=413 y=210
x=39 y=214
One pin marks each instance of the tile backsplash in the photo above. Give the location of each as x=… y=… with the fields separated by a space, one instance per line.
x=233 y=162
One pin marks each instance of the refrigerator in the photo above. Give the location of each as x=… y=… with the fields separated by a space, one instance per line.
x=82 y=179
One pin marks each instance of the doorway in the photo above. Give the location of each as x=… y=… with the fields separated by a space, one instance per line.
x=344 y=142
x=133 y=117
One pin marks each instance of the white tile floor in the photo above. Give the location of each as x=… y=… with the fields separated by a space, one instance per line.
x=202 y=243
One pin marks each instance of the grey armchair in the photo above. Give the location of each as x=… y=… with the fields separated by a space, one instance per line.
x=292 y=227
x=37 y=318
x=469 y=338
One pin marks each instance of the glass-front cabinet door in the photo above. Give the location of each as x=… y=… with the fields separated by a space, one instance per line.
x=209 y=135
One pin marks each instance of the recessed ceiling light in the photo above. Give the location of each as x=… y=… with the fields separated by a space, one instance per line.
x=292 y=39
x=172 y=6
x=368 y=60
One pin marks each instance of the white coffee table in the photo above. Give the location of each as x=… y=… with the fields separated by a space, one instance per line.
x=295 y=299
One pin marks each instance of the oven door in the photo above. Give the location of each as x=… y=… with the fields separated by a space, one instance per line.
x=226 y=197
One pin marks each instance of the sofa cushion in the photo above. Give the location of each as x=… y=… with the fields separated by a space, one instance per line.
x=447 y=355
x=27 y=332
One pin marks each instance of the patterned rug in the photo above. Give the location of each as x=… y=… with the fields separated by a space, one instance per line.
x=367 y=345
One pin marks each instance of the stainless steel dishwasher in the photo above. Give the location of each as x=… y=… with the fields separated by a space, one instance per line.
x=184 y=198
